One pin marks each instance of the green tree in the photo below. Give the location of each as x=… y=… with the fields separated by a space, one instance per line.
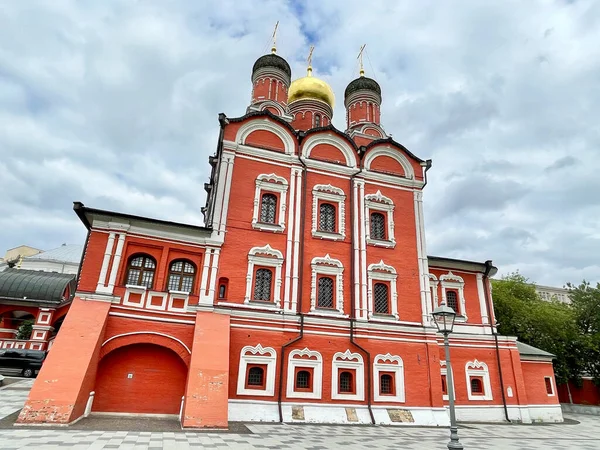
x=550 y=326
x=25 y=330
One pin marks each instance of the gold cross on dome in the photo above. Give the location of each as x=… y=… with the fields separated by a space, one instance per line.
x=274 y=48
x=309 y=59
x=360 y=58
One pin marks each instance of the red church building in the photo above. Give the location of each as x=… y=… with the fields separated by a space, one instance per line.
x=305 y=297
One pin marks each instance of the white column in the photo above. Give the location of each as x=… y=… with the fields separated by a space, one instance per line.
x=356 y=267
x=298 y=216
x=288 y=251
x=105 y=262
x=116 y=263
x=203 y=283
x=228 y=158
x=481 y=295
x=363 y=250
x=426 y=304
x=213 y=276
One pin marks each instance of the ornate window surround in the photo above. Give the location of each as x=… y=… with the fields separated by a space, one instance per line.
x=389 y=363
x=382 y=272
x=348 y=360
x=295 y=360
x=270 y=183
x=444 y=371
x=380 y=203
x=259 y=355
x=478 y=369
x=451 y=281
x=330 y=194
x=268 y=257
x=327 y=266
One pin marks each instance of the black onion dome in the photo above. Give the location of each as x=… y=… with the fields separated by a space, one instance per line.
x=362 y=83
x=272 y=60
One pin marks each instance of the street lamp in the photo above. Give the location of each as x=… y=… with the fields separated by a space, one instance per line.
x=444 y=321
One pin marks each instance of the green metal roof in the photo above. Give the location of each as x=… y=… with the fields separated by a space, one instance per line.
x=530 y=350
x=35 y=286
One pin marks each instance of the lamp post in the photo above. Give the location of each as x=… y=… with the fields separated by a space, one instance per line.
x=444 y=321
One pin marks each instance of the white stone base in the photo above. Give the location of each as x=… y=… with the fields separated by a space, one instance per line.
x=263 y=411
x=495 y=413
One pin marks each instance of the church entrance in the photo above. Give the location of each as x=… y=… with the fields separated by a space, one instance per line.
x=142 y=379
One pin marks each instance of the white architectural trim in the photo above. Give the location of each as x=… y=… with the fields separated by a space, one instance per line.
x=392 y=153
x=327 y=266
x=204 y=300
x=452 y=281
x=106 y=261
x=270 y=183
x=298 y=215
x=162 y=295
x=356 y=250
x=551 y=385
x=337 y=142
x=115 y=266
x=269 y=257
x=382 y=272
x=331 y=194
x=481 y=295
x=267 y=125
x=379 y=202
x=348 y=360
x=296 y=360
x=427 y=305
x=131 y=289
x=173 y=295
x=287 y=303
x=259 y=355
x=363 y=252
x=389 y=363
x=133 y=333
x=478 y=369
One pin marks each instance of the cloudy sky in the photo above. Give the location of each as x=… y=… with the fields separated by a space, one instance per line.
x=115 y=104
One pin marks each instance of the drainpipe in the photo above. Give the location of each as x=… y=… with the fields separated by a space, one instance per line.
x=300 y=289
x=353 y=302
x=427 y=165
x=486 y=291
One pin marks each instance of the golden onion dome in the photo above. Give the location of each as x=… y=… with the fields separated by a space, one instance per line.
x=310 y=87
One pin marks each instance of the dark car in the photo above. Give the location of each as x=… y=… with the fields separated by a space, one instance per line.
x=25 y=362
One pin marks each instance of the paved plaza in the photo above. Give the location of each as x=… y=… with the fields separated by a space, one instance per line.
x=584 y=436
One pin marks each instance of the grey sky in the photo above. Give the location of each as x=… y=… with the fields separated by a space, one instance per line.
x=115 y=104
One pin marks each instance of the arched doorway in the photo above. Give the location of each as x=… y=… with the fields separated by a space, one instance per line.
x=142 y=379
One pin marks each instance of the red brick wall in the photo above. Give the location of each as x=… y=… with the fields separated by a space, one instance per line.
x=534 y=373
x=157 y=385
x=265 y=139
x=385 y=164
x=587 y=394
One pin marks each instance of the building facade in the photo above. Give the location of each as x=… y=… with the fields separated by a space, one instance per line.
x=306 y=296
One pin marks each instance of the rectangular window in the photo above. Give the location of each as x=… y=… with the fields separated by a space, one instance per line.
x=381 y=298
x=346 y=381
x=549 y=386
x=325 y=292
x=327 y=218
x=256 y=376
x=386 y=383
x=378 y=226
x=263 y=280
x=444 y=385
x=303 y=379
x=476 y=385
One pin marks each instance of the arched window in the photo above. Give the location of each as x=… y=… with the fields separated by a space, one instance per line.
x=386 y=384
x=256 y=377
x=325 y=293
x=140 y=271
x=303 y=379
x=181 y=276
x=346 y=382
x=317 y=120
x=476 y=386
x=223 y=285
x=327 y=217
x=452 y=301
x=377 y=226
x=268 y=208
x=262 y=285
x=381 y=298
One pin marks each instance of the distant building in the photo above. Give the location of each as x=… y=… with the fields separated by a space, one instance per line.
x=549 y=293
x=13 y=255
x=64 y=259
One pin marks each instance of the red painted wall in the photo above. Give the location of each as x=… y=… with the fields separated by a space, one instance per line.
x=587 y=394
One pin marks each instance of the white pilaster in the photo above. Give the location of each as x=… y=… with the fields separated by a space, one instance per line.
x=363 y=251
x=426 y=302
x=106 y=261
x=287 y=304
x=116 y=264
x=296 y=263
x=356 y=267
x=481 y=295
x=204 y=281
x=213 y=276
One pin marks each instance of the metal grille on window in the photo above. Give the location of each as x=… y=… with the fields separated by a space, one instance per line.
x=476 y=386
x=385 y=384
x=141 y=271
x=268 y=208
x=381 y=296
x=262 y=285
x=451 y=300
x=303 y=379
x=345 y=382
x=325 y=295
x=255 y=376
x=377 y=226
x=181 y=276
x=327 y=218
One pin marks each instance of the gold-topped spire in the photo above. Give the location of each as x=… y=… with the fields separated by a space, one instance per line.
x=360 y=58
x=309 y=61
x=274 y=47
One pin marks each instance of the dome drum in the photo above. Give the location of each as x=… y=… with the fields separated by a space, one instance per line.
x=272 y=61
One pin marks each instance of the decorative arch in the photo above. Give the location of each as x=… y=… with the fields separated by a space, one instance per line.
x=397 y=155
x=267 y=125
x=478 y=370
x=337 y=142
x=348 y=361
x=257 y=356
x=331 y=268
x=310 y=360
x=147 y=337
x=389 y=364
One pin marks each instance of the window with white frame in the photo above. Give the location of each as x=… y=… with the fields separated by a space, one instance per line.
x=549 y=382
x=348 y=376
x=444 y=375
x=478 y=381
x=388 y=377
x=256 y=374
x=382 y=295
x=327 y=285
x=328 y=212
x=379 y=220
x=305 y=374
x=453 y=291
x=270 y=202
x=263 y=280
